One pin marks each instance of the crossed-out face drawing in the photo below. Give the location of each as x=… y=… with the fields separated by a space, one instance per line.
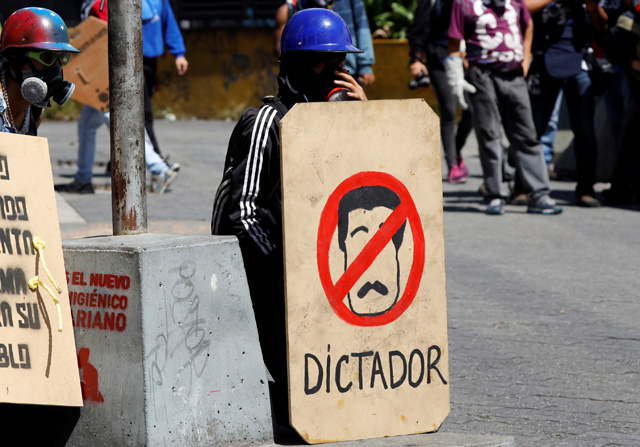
x=361 y=213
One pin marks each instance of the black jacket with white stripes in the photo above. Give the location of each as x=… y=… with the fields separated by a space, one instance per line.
x=248 y=202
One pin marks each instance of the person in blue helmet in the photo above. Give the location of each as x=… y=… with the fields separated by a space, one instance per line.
x=248 y=202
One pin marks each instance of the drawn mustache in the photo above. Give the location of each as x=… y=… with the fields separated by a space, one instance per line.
x=377 y=286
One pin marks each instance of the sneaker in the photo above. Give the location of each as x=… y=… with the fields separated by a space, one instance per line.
x=160 y=182
x=75 y=187
x=588 y=201
x=544 y=205
x=456 y=175
x=495 y=207
x=462 y=166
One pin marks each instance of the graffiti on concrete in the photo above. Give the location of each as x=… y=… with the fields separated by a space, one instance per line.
x=88 y=378
x=181 y=351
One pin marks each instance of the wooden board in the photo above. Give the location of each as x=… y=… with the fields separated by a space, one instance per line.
x=38 y=363
x=89 y=70
x=366 y=302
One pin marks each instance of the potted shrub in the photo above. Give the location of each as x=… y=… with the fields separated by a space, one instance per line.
x=390 y=21
x=390 y=18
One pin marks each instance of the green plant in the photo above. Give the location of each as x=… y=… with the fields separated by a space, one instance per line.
x=390 y=18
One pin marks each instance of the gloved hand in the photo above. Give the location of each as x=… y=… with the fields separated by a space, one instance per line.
x=455 y=76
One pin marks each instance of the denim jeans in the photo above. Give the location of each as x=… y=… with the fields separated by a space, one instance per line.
x=88 y=124
x=579 y=98
x=549 y=135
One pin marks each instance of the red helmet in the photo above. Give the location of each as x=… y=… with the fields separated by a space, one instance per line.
x=35 y=29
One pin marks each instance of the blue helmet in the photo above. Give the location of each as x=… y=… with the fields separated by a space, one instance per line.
x=316 y=30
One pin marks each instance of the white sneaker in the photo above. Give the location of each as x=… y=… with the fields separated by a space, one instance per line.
x=160 y=182
x=495 y=207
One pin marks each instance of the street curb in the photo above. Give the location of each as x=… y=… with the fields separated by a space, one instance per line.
x=427 y=440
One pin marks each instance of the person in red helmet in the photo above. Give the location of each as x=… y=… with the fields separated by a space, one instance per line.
x=34 y=46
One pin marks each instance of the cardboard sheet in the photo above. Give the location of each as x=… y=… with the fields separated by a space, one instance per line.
x=38 y=363
x=89 y=70
x=365 y=271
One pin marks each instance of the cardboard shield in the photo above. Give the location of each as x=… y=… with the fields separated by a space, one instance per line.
x=38 y=363
x=365 y=272
x=89 y=70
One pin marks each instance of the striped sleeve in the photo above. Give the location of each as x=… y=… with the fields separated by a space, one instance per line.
x=251 y=187
x=247 y=203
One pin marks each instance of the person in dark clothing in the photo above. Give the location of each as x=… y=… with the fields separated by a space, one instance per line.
x=428 y=40
x=248 y=202
x=622 y=46
x=560 y=38
x=354 y=14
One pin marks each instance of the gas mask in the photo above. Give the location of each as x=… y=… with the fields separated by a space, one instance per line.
x=39 y=86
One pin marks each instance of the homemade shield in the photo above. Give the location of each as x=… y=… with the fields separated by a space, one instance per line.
x=365 y=272
x=89 y=70
x=38 y=363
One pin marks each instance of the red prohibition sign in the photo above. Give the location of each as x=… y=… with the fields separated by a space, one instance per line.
x=337 y=292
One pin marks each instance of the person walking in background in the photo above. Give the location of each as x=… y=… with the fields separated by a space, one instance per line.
x=498 y=37
x=560 y=38
x=90 y=120
x=428 y=40
x=159 y=30
x=34 y=46
x=354 y=14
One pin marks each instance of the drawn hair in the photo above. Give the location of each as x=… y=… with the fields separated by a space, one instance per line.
x=367 y=198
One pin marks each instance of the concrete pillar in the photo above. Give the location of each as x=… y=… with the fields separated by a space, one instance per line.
x=167 y=343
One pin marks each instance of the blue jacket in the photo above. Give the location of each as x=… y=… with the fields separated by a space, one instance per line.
x=356 y=19
x=160 y=29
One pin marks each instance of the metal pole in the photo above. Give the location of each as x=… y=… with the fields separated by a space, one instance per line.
x=128 y=183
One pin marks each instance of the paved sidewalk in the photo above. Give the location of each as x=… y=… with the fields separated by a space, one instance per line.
x=543 y=311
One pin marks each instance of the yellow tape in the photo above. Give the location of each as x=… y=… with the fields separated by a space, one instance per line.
x=33 y=285
x=38 y=244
